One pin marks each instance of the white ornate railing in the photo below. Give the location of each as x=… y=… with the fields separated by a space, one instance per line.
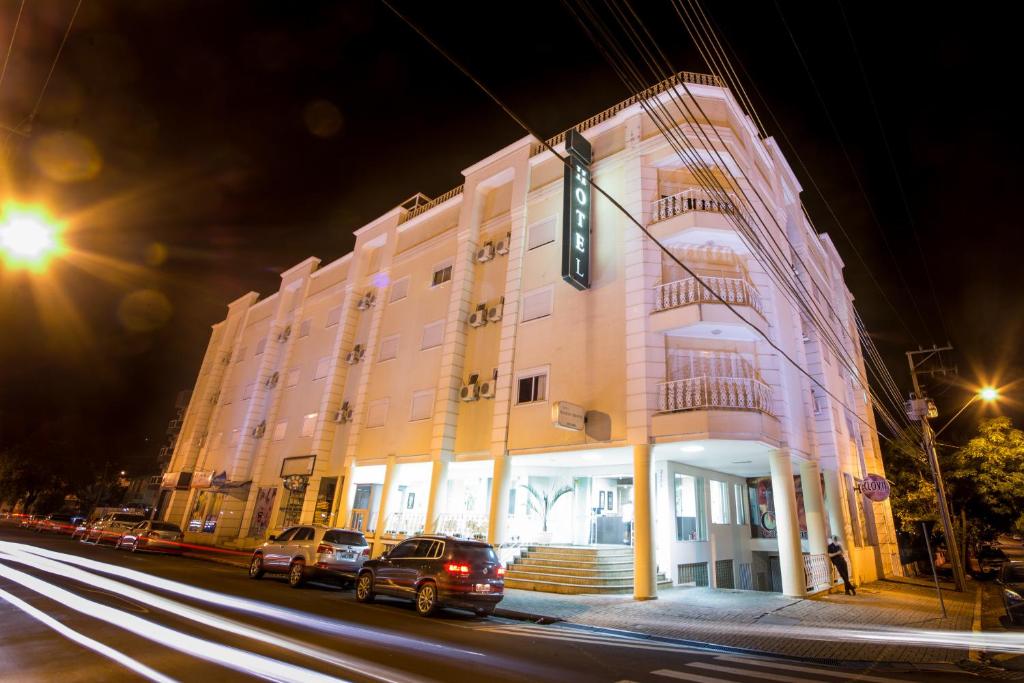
x=428 y=205
x=688 y=291
x=466 y=525
x=404 y=523
x=703 y=393
x=692 y=199
x=818 y=572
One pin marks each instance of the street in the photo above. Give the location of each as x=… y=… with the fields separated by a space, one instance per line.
x=138 y=616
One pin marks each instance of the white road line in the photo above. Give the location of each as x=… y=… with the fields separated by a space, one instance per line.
x=847 y=675
x=763 y=675
x=223 y=655
x=613 y=641
x=695 y=678
x=85 y=641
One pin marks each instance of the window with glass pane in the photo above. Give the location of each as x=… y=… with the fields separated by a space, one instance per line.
x=690 y=523
x=741 y=503
x=532 y=388
x=719 y=502
x=442 y=274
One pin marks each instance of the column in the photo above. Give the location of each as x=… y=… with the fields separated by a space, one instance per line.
x=390 y=480
x=814 y=507
x=791 y=562
x=438 y=484
x=838 y=517
x=645 y=581
x=497 y=527
x=341 y=515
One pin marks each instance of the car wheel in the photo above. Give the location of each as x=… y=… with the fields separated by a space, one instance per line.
x=426 y=599
x=364 y=587
x=256 y=567
x=135 y=546
x=297 y=574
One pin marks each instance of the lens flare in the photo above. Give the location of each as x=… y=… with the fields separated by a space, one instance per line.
x=28 y=238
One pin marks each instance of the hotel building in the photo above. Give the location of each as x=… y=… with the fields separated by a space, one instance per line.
x=410 y=385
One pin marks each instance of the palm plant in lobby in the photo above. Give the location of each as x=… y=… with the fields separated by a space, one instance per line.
x=543 y=502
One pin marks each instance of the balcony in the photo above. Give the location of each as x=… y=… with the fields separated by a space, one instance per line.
x=675 y=311
x=690 y=200
x=707 y=393
x=696 y=216
x=734 y=290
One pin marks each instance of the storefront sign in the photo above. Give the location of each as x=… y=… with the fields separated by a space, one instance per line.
x=565 y=415
x=169 y=480
x=875 y=487
x=202 y=480
x=576 y=212
x=302 y=464
x=296 y=482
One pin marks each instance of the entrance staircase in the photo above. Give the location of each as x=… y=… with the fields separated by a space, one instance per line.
x=574 y=570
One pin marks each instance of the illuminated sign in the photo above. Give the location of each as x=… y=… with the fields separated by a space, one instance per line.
x=875 y=487
x=576 y=212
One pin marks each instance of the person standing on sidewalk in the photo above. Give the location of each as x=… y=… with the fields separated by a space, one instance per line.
x=835 y=553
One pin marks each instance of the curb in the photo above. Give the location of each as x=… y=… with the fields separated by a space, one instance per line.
x=526 y=616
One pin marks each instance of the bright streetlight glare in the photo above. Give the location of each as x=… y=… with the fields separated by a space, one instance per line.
x=28 y=238
x=989 y=394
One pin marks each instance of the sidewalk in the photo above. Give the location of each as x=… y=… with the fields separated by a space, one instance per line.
x=821 y=627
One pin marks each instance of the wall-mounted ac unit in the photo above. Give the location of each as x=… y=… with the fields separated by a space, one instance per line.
x=494 y=312
x=485 y=253
x=470 y=390
x=501 y=247
x=284 y=334
x=366 y=301
x=478 y=318
x=259 y=430
x=344 y=414
x=487 y=389
x=355 y=355
x=272 y=380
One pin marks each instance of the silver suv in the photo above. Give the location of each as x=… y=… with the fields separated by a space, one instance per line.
x=110 y=526
x=311 y=551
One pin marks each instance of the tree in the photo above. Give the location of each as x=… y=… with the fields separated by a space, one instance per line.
x=545 y=501
x=913 y=493
x=986 y=477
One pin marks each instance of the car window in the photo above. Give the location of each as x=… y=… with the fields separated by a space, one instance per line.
x=128 y=518
x=476 y=553
x=287 y=534
x=1014 y=573
x=165 y=526
x=304 y=534
x=345 y=538
x=406 y=549
x=424 y=548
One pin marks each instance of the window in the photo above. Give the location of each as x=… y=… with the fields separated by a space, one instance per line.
x=280 y=430
x=541 y=233
x=333 y=316
x=400 y=289
x=308 y=424
x=286 y=535
x=322 y=366
x=345 y=538
x=719 y=502
x=293 y=377
x=818 y=401
x=690 y=523
x=241 y=354
x=261 y=346
x=305 y=327
x=236 y=434
x=532 y=386
x=377 y=413
x=388 y=348
x=537 y=304
x=433 y=335
x=304 y=534
x=422 y=405
x=442 y=274
x=406 y=549
x=741 y=503
x=247 y=391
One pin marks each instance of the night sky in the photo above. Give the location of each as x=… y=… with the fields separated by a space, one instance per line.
x=198 y=149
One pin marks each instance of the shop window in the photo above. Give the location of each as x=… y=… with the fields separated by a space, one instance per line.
x=399 y=290
x=333 y=316
x=433 y=335
x=325 y=502
x=308 y=424
x=541 y=233
x=442 y=274
x=690 y=517
x=537 y=304
x=532 y=387
x=291 y=507
x=719 y=502
x=388 y=348
x=741 y=503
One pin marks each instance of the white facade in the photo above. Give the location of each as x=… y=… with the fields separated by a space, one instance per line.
x=352 y=372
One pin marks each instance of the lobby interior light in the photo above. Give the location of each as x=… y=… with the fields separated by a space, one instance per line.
x=692 y=448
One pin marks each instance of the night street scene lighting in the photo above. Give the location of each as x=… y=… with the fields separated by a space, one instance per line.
x=388 y=341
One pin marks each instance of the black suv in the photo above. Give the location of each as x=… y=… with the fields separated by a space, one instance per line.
x=436 y=572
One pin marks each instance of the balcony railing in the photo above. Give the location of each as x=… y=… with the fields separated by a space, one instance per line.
x=688 y=291
x=466 y=525
x=692 y=199
x=711 y=393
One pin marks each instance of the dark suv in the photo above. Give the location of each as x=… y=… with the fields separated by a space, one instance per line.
x=436 y=572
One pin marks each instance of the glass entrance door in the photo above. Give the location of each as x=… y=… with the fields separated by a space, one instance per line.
x=611 y=510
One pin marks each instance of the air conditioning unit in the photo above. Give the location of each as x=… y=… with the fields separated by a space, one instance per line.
x=272 y=380
x=285 y=333
x=366 y=301
x=495 y=311
x=344 y=414
x=259 y=430
x=355 y=355
x=470 y=390
x=487 y=389
x=501 y=247
x=478 y=318
x=485 y=253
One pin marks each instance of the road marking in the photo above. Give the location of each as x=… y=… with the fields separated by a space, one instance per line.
x=771 y=664
x=85 y=641
x=763 y=675
x=695 y=678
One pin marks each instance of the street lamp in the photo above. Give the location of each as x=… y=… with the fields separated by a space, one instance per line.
x=986 y=394
x=29 y=238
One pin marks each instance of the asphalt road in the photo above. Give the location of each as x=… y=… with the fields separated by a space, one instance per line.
x=73 y=612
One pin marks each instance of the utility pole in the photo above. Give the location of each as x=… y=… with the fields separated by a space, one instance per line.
x=921 y=408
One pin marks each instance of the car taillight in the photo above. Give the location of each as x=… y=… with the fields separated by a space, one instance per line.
x=366 y=551
x=455 y=568
x=324 y=549
x=500 y=571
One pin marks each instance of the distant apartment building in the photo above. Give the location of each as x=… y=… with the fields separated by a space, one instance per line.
x=410 y=385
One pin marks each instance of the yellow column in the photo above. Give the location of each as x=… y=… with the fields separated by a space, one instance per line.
x=645 y=581
x=438 y=479
x=791 y=561
x=341 y=515
x=382 y=510
x=497 y=527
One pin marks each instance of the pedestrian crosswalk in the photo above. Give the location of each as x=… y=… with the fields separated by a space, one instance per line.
x=736 y=668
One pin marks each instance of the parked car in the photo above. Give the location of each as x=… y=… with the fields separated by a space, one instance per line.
x=82 y=527
x=990 y=559
x=152 y=535
x=311 y=551
x=109 y=527
x=58 y=524
x=1011 y=578
x=436 y=572
x=28 y=521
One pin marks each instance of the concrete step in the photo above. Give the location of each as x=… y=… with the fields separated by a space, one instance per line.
x=578 y=557
x=570 y=580
x=531 y=560
x=626 y=572
x=568 y=588
x=582 y=551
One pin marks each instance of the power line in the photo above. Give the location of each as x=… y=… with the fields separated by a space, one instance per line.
x=622 y=209
x=10 y=46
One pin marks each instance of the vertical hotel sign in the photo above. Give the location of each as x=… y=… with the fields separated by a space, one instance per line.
x=576 y=212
